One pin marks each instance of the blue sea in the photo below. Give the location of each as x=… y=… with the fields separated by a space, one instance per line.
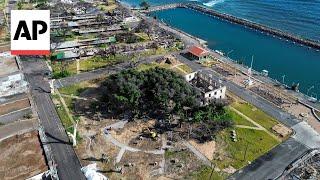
x=300 y=17
x=299 y=64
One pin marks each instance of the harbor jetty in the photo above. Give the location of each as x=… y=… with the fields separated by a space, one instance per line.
x=236 y=20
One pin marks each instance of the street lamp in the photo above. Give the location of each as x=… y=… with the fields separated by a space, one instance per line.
x=284 y=76
x=229 y=53
x=309 y=90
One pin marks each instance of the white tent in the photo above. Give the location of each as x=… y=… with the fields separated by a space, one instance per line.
x=90 y=172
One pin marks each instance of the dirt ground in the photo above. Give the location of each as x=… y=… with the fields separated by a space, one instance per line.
x=92 y=152
x=207 y=148
x=176 y=162
x=144 y=166
x=21 y=157
x=8 y=65
x=17 y=105
x=180 y=162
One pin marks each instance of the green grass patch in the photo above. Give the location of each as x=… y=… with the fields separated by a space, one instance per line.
x=75 y=89
x=185 y=68
x=238 y=119
x=206 y=173
x=143 y=36
x=66 y=121
x=96 y=62
x=146 y=66
x=256 y=114
x=254 y=142
x=66 y=66
x=69 y=102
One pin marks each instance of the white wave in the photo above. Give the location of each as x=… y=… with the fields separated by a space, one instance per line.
x=212 y=3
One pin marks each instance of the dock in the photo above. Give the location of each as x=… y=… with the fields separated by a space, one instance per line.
x=262 y=28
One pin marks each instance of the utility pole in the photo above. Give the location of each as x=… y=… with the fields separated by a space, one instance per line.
x=229 y=53
x=78 y=65
x=250 y=82
x=309 y=90
x=283 y=78
x=51 y=83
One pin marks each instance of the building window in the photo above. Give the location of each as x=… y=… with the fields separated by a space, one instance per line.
x=221 y=90
x=210 y=95
x=189 y=76
x=215 y=93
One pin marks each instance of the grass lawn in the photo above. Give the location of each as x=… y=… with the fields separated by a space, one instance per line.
x=186 y=68
x=3 y=3
x=238 y=119
x=256 y=142
x=97 y=62
x=144 y=67
x=256 y=114
x=144 y=36
x=75 y=89
x=66 y=121
x=89 y=64
x=62 y=113
x=206 y=172
x=69 y=66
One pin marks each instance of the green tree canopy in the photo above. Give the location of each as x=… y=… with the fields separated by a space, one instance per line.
x=155 y=90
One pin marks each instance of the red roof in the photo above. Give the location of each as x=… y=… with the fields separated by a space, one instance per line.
x=197 y=51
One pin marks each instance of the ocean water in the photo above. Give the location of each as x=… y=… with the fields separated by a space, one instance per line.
x=298 y=63
x=299 y=17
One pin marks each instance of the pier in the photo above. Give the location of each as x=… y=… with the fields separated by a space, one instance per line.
x=271 y=31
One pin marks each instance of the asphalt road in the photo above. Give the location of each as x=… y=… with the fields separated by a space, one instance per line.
x=272 y=164
x=268 y=166
x=68 y=165
x=247 y=95
x=90 y=75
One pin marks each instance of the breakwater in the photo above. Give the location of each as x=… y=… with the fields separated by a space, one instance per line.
x=243 y=22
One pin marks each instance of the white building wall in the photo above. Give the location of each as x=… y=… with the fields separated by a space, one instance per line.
x=190 y=76
x=219 y=93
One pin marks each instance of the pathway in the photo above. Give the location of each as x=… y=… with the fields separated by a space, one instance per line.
x=256 y=124
x=124 y=147
x=202 y=157
x=249 y=127
x=75 y=97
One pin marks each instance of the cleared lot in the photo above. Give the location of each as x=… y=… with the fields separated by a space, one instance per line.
x=14 y=106
x=21 y=157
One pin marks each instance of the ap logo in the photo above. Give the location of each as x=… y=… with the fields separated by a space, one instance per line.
x=30 y=32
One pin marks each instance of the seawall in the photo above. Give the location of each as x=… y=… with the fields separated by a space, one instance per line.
x=243 y=22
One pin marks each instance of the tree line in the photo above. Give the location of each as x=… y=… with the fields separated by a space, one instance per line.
x=163 y=94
